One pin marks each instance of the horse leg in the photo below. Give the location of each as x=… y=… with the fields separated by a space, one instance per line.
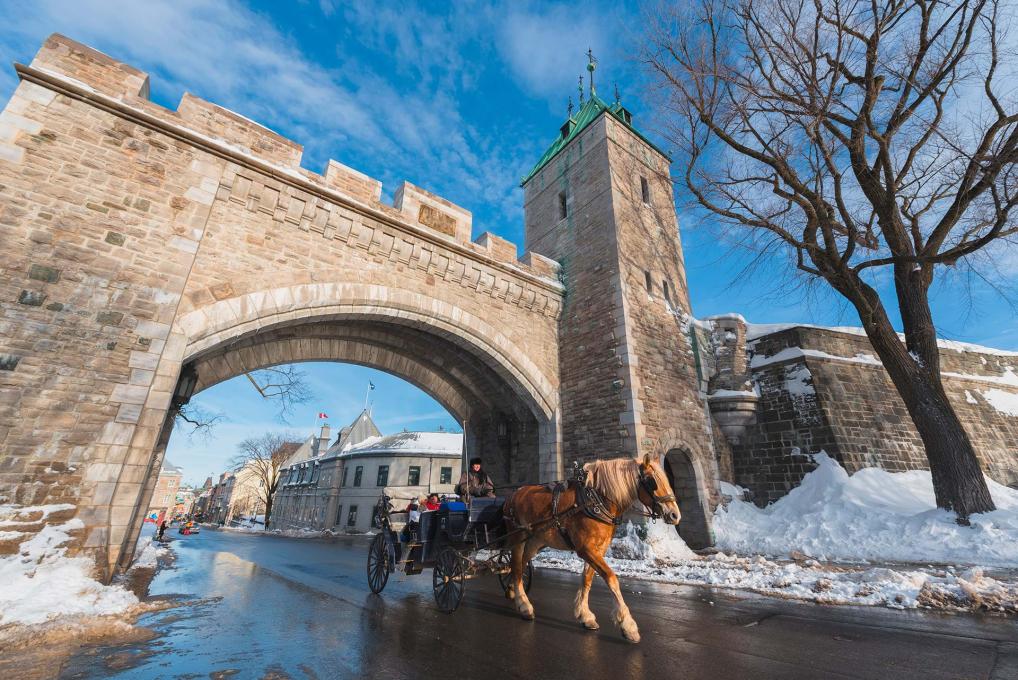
x=527 y=553
x=523 y=605
x=622 y=616
x=581 y=610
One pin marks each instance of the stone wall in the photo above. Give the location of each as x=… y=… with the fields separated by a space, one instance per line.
x=821 y=389
x=139 y=240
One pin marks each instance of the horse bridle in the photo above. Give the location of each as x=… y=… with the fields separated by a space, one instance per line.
x=649 y=484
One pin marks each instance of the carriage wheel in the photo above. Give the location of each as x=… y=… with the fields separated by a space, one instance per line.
x=504 y=563
x=447 y=578
x=378 y=564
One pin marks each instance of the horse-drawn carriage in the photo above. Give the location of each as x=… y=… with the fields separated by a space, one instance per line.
x=457 y=542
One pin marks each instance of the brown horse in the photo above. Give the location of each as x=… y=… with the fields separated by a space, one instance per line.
x=619 y=483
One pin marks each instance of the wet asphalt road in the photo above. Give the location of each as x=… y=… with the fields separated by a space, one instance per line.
x=271 y=607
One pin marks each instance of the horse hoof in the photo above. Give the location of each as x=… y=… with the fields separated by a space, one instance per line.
x=631 y=633
x=527 y=616
x=591 y=625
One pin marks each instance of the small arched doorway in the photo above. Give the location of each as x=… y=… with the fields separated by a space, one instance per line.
x=686 y=481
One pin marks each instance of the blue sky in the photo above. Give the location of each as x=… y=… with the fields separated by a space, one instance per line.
x=460 y=98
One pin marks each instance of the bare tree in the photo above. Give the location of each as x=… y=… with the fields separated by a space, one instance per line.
x=262 y=457
x=201 y=420
x=860 y=135
x=286 y=385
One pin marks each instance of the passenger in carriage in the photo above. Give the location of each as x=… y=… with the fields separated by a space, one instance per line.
x=432 y=503
x=409 y=532
x=475 y=482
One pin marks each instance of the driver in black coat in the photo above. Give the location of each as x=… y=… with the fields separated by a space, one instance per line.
x=475 y=482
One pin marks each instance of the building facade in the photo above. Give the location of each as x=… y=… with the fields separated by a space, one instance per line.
x=164 y=497
x=337 y=489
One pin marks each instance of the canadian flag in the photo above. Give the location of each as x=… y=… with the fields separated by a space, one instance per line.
x=323 y=415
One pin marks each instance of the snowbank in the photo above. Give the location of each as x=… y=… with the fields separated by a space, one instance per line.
x=894 y=588
x=42 y=583
x=147 y=554
x=872 y=515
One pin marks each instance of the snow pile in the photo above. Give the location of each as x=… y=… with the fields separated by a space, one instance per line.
x=897 y=589
x=42 y=583
x=147 y=554
x=873 y=515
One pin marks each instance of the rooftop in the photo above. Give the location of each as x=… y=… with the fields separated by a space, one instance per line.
x=574 y=125
x=424 y=443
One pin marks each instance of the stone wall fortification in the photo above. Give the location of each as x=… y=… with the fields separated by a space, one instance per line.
x=824 y=390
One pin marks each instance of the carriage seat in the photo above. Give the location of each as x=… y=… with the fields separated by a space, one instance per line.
x=487 y=511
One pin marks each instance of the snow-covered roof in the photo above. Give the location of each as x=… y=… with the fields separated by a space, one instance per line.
x=408 y=443
x=169 y=468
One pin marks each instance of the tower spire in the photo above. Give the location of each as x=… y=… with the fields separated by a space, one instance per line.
x=618 y=99
x=580 y=88
x=591 y=65
x=570 y=108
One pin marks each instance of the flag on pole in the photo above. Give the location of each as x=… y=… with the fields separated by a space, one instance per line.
x=322 y=415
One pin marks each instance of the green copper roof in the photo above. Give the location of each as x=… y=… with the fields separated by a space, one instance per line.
x=587 y=114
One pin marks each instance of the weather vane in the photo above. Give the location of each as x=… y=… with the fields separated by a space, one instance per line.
x=591 y=65
x=618 y=99
x=570 y=107
x=581 y=90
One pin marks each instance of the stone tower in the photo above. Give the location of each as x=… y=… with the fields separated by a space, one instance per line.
x=600 y=203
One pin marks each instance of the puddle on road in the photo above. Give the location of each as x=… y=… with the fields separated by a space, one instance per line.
x=232 y=618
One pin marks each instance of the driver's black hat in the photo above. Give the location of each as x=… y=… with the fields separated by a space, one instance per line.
x=475 y=461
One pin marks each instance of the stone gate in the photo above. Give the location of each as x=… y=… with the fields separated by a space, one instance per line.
x=151 y=253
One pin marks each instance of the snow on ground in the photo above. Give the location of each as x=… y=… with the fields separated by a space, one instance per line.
x=147 y=554
x=871 y=516
x=42 y=583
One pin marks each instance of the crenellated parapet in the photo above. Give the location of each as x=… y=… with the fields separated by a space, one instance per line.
x=84 y=73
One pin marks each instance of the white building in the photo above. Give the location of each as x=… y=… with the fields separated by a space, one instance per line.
x=336 y=487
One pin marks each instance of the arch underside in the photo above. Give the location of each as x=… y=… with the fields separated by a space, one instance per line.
x=500 y=421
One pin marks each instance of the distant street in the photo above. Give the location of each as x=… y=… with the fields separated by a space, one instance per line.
x=270 y=607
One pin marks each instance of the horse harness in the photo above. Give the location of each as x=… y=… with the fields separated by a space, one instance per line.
x=592 y=503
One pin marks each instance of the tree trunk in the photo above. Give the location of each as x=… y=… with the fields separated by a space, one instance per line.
x=958 y=481
x=268 y=511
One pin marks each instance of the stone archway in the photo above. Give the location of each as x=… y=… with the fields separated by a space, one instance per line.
x=687 y=482
x=506 y=404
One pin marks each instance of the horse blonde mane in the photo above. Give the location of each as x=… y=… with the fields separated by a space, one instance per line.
x=615 y=480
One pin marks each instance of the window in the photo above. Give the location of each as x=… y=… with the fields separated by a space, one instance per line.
x=650 y=283
x=563 y=207
x=414 y=478
x=316 y=473
x=357 y=474
x=300 y=477
x=351 y=519
x=446 y=476
x=383 y=475
x=345 y=470
x=668 y=297
x=645 y=190
x=339 y=515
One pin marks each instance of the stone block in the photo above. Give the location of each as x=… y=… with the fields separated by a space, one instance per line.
x=31 y=298
x=41 y=272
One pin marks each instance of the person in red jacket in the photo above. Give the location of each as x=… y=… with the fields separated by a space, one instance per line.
x=432 y=502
